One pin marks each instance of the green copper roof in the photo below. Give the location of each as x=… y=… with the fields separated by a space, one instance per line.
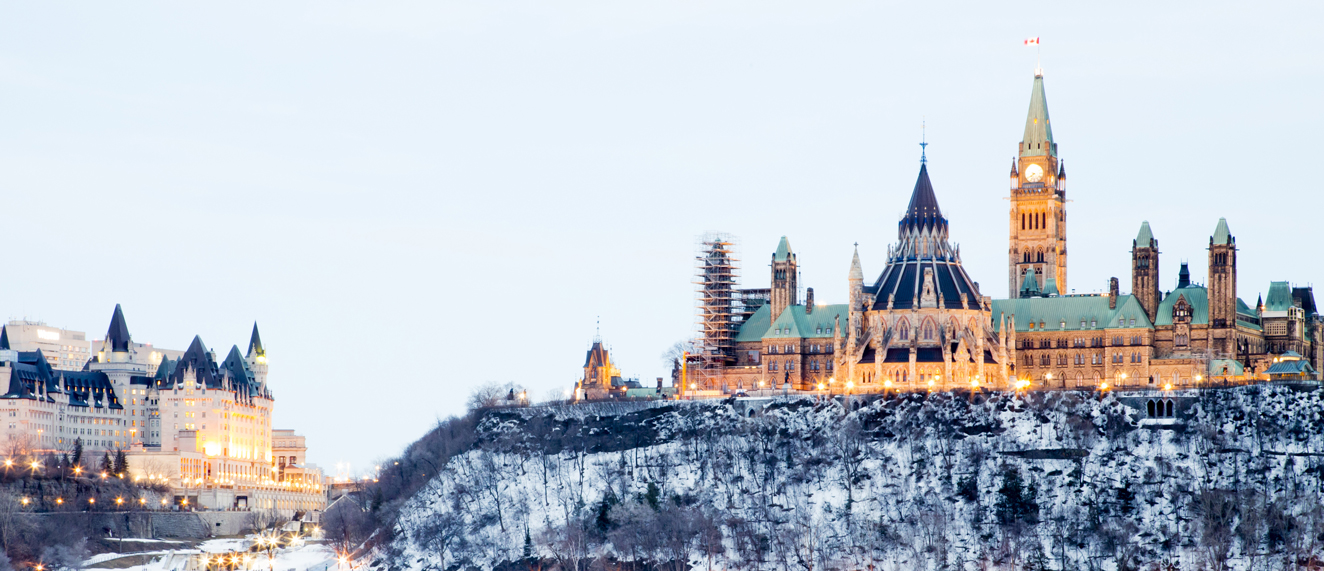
x=1067 y=313
x=1221 y=234
x=1038 y=138
x=1225 y=368
x=794 y=323
x=754 y=327
x=783 y=250
x=1145 y=238
x=1197 y=296
x=1280 y=297
x=1050 y=285
x=1029 y=283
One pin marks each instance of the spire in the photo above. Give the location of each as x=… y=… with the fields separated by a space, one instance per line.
x=1222 y=235
x=1038 y=140
x=1184 y=277
x=118 y=334
x=783 y=251
x=1014 y=168
x=1145 y=238
x=923 y=144
x=856 y=272
x=923 y=210
x=255 y=344
x=4 y=335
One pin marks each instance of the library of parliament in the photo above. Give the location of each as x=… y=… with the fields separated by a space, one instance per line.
x=923 y=322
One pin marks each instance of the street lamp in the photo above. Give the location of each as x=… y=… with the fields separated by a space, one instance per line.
x=1048 y=378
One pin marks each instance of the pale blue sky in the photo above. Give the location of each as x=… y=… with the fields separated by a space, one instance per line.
x=412 y=198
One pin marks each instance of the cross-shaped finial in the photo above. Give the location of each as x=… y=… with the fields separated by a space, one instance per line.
x=923 y=143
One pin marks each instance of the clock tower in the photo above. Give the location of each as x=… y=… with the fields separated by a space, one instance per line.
x=1038 y=221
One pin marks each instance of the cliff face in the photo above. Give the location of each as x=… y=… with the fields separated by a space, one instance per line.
x=944 y=481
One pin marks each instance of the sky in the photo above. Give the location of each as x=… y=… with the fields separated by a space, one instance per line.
x=415 y=198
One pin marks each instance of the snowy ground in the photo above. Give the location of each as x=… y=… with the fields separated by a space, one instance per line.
x=916 y=482
x=307 y=557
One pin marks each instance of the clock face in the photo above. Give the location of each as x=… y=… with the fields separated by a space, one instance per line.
x=1034 y=173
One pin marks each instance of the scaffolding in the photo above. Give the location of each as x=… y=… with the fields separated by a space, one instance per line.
x=717 y=272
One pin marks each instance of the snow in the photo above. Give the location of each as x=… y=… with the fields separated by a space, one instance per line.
x=306 y=557
x=1212 y=486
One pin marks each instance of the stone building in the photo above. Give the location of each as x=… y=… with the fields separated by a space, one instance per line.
x=203 y=427
x=1194 y=334
x=925 y=324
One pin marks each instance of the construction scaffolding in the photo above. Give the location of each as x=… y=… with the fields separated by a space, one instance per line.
x=717 y=272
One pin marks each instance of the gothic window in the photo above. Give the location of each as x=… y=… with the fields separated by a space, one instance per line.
x=772 y=366
x=1040 y=255
x=1169 y=409
x=928 y=330
x=1022 y=221
x=790 y=365
x=829 y=366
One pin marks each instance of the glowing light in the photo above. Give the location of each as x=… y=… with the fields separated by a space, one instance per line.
x=1103 y=386
x=1167 y=386
x=1022 y=384
x=821 y=386
x=9 y=463
x=59 y=501
x=25 y=501
x=850 y=385
x=932 y=383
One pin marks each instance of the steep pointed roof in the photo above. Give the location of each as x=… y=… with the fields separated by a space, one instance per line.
x=238 y=368
x=118 y=334
x=923 y=210
x=856 y=271
x=4 y=338
x=255 y=344
x=198 y=359
x=1221 y=234
x=783 y=250
x=1050 y=285
x=1038 y=140
x=1184 y=276
x=1145 y=238
x=1030 y=283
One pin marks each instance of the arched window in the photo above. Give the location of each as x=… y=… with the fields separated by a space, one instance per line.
x=1169 y=415
x=903 y=329
x=928 y=330
x=1149 y=408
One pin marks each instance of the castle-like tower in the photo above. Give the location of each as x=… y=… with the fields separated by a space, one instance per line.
x=1145 y=271
x=1038 y=218
x=1222 y=289
x=784 y=284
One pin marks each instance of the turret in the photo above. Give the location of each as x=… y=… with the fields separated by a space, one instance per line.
x=1145 y=271
x=257 y=358
x=784 y=270
x=1015 y=175
x=1222 y=281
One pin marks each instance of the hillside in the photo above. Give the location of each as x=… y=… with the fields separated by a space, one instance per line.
x=1053 y=480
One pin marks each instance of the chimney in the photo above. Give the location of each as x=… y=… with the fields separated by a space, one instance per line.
x=1112 y=293
x=809 y=300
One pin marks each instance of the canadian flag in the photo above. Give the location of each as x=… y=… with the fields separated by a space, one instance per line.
x=1032 y=41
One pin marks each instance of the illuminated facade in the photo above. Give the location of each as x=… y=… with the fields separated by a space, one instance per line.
x=924 y=324
x=203 y=426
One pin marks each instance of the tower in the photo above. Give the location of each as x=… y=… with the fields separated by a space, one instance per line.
x=783 y=278
x=1145 y=271
x=1222 y=285
x=856 y=282
x=1038 y=219
x=257 y=358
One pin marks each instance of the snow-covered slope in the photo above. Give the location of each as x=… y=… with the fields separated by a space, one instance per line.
x=945 y=481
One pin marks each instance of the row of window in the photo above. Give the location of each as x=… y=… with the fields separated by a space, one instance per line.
x=1084 y=323
x=814 y=365
x=791 y=349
